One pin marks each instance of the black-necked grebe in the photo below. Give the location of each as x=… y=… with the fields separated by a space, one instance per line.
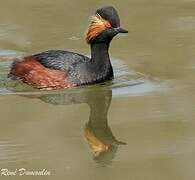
x=58 y=69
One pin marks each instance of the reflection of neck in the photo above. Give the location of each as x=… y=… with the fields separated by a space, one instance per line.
x=99 y=111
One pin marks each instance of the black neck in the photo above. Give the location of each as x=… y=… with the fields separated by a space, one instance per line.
x=100 y=60
x=99 y=50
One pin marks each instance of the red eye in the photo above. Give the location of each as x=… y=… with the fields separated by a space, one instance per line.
x=108 y=25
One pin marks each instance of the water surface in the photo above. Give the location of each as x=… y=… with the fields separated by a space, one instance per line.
x=139 y=126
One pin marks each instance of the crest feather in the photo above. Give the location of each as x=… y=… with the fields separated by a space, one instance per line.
x=97 y=25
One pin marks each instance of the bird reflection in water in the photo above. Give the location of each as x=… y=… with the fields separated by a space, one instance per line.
x=97 y=132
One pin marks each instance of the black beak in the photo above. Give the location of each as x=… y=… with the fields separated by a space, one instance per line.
x=121 y=30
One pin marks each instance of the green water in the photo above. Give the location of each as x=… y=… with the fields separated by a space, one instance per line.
x=140 y=126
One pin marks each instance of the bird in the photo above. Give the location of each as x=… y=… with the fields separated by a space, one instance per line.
x=61 y=69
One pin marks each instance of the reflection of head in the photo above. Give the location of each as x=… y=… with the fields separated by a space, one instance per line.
x=95 y=144
x=101 y=142
x=106 y=156
x=98 y=134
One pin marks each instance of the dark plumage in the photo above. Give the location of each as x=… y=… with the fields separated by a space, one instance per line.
x=42 y=70
x=110 y=14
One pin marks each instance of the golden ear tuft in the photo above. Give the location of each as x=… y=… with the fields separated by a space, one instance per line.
x=95 y=144
x=97 y=25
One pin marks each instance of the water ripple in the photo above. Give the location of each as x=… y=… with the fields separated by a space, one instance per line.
x=126 y=83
